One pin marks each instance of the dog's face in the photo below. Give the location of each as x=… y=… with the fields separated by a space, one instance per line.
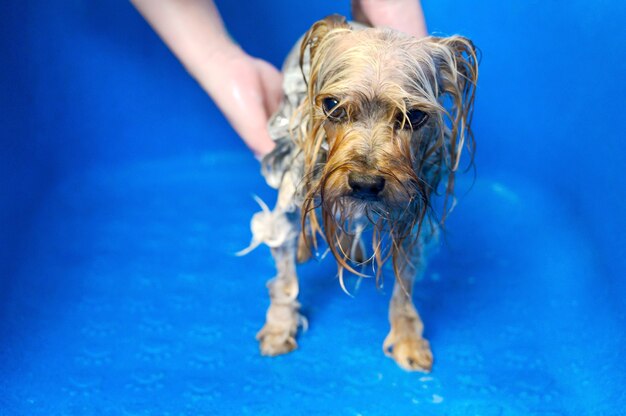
x=387 y=117
x=371 y=111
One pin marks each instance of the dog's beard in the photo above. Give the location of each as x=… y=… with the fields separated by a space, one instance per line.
x=394 y=220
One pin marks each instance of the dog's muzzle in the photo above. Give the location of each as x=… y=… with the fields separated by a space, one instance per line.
x=366 y=187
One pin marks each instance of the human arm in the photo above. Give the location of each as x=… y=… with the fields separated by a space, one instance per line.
x=247 y=90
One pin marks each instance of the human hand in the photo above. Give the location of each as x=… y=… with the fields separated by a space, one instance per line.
x=247 y=90
x=403 y=15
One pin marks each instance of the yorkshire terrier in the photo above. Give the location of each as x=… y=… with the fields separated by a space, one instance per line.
x=372 y=125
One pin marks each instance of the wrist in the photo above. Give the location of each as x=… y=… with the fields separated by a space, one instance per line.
x=207 y=65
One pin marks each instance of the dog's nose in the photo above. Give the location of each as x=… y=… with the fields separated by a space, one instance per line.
x=365 y=186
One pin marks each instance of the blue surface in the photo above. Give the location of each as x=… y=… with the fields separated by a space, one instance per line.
x=119 y=290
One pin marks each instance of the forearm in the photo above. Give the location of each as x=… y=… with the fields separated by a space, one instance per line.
x=404 y=15
x=193 y=30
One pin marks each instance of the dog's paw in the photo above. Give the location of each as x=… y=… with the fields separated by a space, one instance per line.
x=409 y=350
x=278 y=335
x=276 y=341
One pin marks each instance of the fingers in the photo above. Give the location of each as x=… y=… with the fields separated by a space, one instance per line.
x=272 y=82
x=246 y=110
x=247 y=91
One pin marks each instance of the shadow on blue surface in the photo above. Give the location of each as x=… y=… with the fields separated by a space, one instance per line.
x=120 y=293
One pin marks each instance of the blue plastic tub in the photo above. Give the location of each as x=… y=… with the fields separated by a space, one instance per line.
x=124 y=195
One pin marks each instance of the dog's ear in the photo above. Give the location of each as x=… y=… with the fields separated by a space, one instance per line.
x=319 y=30
x=456 y=62
x=316 y=34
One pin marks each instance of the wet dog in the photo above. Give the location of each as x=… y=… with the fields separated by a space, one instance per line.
x=371 y=129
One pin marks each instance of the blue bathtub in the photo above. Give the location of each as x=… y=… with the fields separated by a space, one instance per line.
x=124 y=195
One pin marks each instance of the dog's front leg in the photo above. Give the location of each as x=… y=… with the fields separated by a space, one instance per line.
x=278 y=335
x=405 y=343
x=279 y=229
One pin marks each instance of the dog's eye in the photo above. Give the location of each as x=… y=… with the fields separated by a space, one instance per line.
x=329 y=104
x=414 y=118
